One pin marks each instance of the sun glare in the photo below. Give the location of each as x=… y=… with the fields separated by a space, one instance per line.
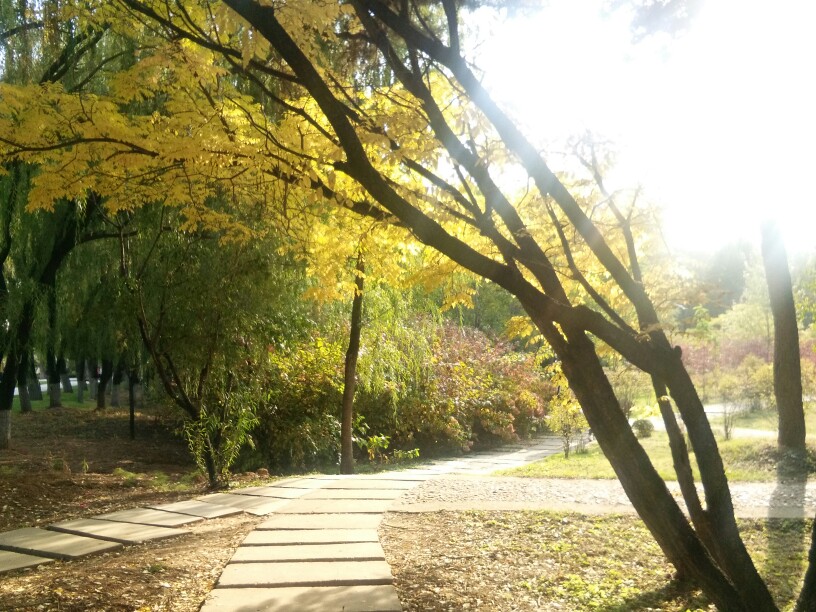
x=718 y=124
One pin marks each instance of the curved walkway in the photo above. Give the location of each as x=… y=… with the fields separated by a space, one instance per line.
x=318 y=547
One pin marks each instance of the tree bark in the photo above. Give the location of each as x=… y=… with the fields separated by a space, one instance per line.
x=22 y=385
x=104 y=379
x=787 y=369
x=350 y=372
x=93 y=378
x=65 y=380
x=80 y=374
x=34 y=388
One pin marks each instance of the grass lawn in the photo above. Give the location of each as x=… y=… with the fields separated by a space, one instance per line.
x=746 y=459
x=766 y=420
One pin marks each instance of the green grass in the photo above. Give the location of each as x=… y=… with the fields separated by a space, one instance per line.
x=68 y=400
x=765 y=420
x=611 y=562
x=745 y=459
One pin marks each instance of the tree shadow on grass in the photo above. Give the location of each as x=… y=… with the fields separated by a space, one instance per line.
x=681 y=595
x=787 y=527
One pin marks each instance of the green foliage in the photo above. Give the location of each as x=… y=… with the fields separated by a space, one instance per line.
x=565 y=418
x=643 y=428
x=221 y=431
x=299 y=426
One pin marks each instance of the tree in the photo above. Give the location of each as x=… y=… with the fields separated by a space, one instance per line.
x=787 y=369
x=411 y=141
x=350 y=370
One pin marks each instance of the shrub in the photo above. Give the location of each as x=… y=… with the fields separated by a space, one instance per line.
x=643 y=428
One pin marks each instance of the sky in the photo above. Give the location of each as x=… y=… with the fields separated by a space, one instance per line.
x=718 y=124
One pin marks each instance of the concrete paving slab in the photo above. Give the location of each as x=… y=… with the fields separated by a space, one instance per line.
x=39 y=542
x=322 y=521
x=286 y=537
x=354 y=494
x=259 y=506
x=10 y=561
x=347 y=551
x=333 y=506
x=124 y=533
x=198 y=508
x=304 y=483
x=318 y=573
x=277 y=492
x=149 y=516
x=374 y=483
x=304 y=599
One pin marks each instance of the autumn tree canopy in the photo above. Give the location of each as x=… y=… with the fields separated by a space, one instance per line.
x=293 y=110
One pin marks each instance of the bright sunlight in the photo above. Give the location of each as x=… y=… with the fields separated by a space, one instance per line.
x=717 y=124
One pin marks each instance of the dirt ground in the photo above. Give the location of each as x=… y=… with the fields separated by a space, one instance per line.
x=68 y=463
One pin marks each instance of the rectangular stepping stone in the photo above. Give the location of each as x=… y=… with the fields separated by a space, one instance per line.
x=285 y=537
x=354 y=494
x=373 y=483
x=194 y=507
x=348 y=551
x=307 y=573
x=42 y=543
x=305 y=599
x=259 y=506
x=322 y=521
x=124 y=533
x=277 y=492
x=148 y=516
x=332 y=506
x=307 y=483
x=13 y=561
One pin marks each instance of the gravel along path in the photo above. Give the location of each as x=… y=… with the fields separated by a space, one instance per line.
x=751 y=499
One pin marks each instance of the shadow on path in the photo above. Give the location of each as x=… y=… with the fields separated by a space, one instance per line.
x=785 y=537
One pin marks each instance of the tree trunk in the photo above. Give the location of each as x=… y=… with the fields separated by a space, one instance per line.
x=22 y=385
x=104 y=379
x=133 y=379
x=116 y=383
x=54 y=388
x=787 y=368
x=350 y=374
x=80 y=374
x=93 y=378
x=65 y=380
x=34 y=388
x=5 y=429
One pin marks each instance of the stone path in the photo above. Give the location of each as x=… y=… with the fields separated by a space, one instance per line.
x=317 y=550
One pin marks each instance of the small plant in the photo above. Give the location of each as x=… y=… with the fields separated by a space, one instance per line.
x=406 y=455
x=129 y=479
x=643 y=428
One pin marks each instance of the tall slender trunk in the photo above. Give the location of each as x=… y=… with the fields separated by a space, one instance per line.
x=350 y=374
x=65 y=379
x=116 y=382
x=93 y=378
x=34 y=388
x=787 y=369
x=22 y=384
x=133 y=380
x=104 y=379
x=80 y=374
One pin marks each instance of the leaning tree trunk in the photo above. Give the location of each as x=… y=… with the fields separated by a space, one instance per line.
x=350 y=374
x=787 y=369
